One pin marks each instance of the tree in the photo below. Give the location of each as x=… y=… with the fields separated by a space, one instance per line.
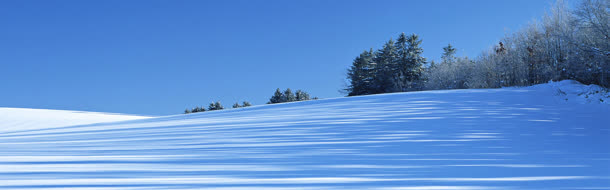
x=397 y=66
x=402 y=63
x=277 y=97
x=416 y=62
x=301 y=95
x=385 y=68
x=187 y=111
x=564 y=44
x=288 y=96
x=215 y=106
x=244 y=104
x=212 y=107
x=218 y=105
x=451 y=73
x=360 y=74
x=448 y=54
x=197 y=109
x=594 y=41
x=445 y=74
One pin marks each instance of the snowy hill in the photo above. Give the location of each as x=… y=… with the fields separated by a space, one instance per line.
x=16 y=119
x=510 y=138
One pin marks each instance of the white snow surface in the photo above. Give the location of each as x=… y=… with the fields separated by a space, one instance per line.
x=573 y=91
x=16 y=119
x=509 y=138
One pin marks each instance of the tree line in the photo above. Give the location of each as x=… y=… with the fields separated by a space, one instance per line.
x=565 y=44
x=215 y=106
x=396 y=67
x=288 y=96
x=277 y=97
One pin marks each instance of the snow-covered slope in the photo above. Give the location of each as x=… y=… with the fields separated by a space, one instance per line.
x=574 y=92
x=16 y=119
x=510 y=138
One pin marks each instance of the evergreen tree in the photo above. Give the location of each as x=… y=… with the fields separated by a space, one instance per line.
x=360 y=74
x=246 y=104
x=187 y=111
x=215 y=106
x=416 y=62
x=448 y=54
x=301 y=95
x=403 y=74
x=218 y=105
x=276 y=98
x=236 y=105
x=385 y=68
x=197 y=109
x=289 y=96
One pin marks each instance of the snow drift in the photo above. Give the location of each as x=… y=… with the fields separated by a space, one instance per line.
x=509 y=138
x=15 y=119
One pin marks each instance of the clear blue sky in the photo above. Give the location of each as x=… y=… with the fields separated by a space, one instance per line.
x=159 y=57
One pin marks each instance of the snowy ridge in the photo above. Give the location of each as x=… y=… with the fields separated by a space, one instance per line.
x=573 y=91
x=510 y=138
x=17 y=119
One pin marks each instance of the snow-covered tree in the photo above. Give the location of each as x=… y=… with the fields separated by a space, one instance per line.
x=277 y=97
x=594 y=41
x=448 y=54
x=218 y=105
x=361 y=74
x=301 y=95
x=197 y=109
x=215 y=106
x=385 y=69
x=416 y=62
x=288 y=96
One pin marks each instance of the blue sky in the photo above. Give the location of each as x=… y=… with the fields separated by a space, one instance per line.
x=160 y=57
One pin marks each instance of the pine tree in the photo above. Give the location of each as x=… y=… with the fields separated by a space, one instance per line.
x=301 y=95
x=385 y=68
x=360 y=74
x=236 y=105
x=212 y=107
x=416 y=61
x=187 y=111
x=403 y=74
x=276 y=98
x=246 y=104
x=218 y=106
x=289 y=96
x=448 y=54
x=197 y=109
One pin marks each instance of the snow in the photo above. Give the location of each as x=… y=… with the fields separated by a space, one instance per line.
x=15 y=119
x=573 y=91
x=509 y=138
